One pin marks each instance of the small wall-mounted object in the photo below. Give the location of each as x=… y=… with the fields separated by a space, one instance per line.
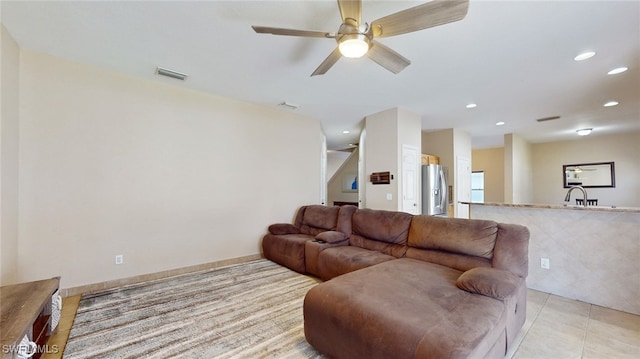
x=380 y=177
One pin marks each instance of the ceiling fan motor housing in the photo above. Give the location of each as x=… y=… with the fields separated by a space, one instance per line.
x=353 y=42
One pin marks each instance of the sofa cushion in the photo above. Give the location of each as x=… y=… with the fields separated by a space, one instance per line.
x=382 y=231
x=331 y=236
x=461 y=262
x=336 y=261
x=398 y=309
x=472 y=237
x=491 y=282
x=318 y=219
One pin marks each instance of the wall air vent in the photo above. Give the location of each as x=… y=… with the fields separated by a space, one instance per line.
x=170 y=73
x=548 y=118
x=288 y=105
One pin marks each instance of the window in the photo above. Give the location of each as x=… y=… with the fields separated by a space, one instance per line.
x=477 y=186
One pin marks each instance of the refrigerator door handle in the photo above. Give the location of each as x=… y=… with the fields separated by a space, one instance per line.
x=443 y=192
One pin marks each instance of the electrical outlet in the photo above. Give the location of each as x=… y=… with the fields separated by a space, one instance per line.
x=544 y=263
x=119 y=259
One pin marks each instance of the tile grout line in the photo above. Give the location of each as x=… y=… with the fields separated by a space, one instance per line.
x=586 y=332
x=533 y=322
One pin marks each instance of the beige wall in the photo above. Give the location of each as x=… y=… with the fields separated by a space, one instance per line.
x=440 y=143
x=349 y=167
x=518 y=170
x=381 y=156
x=386 y=133
x=623 y=149
x=491 y=162
x=9 y=132
x=166 y=176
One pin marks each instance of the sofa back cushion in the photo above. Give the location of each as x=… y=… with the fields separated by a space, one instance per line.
x=472 y=237
x=457 y=243
x=382 y=231
x=344 y=219
x=317 y=219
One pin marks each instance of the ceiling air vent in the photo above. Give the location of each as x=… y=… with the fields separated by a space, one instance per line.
x=548 y=118
x=171 y=73
x=288 y=105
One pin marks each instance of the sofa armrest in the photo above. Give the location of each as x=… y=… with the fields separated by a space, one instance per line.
x=491 y=282
x=283 y=228
x=331 y=237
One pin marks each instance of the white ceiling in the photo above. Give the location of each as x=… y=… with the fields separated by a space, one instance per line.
x=513 y=58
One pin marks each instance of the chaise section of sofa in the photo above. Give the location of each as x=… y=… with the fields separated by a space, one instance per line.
x=459 y=291
x=285 y=243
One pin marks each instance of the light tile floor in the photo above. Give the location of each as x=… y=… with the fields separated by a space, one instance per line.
x=558 y=327
x=555 y=327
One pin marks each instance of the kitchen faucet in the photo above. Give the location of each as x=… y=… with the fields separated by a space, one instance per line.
x=567 y=198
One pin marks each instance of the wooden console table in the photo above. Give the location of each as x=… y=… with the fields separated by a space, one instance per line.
x=25 y=309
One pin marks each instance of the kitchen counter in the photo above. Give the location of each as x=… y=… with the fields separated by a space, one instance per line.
x=560 y=206
x=592 y=251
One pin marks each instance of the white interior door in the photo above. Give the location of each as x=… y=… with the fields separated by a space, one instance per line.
x=410 y=183
x=463 y=186
x=323 y=172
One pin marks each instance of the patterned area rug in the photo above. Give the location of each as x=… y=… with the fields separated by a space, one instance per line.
x=248 y=310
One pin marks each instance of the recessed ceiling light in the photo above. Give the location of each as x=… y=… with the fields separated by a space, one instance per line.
x=584 y=56
x=499 y=123
x=584 y=131
x=345 y=132
x=611 y=103
x=617 y=70
x=472 y=105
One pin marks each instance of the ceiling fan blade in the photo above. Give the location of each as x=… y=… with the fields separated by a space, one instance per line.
x=350 y=9
x=435 y=13
x=387 y=58
x=291 y=32
x=328 y=62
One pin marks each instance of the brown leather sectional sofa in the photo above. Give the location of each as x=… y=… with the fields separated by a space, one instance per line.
x=404 y=286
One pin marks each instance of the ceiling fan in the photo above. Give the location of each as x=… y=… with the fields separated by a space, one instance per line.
x=356 y=39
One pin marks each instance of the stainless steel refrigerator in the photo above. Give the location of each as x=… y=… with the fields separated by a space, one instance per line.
x=434 y=190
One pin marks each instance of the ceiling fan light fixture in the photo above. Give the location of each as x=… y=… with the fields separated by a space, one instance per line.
x=584 y=131
x=354 y=45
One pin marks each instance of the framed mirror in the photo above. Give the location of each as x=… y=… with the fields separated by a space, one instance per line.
x=589 y=175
